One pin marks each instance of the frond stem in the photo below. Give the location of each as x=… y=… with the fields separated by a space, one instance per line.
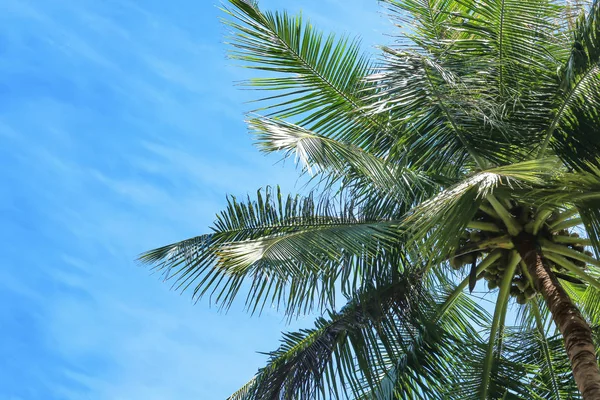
x=499 y=312
x=570 y=223
x=568 y=265
x=513 y=227
x=489 y=211
x=571 y=240
x=483 y=226
x=483 y=265
x=564 y=216
x=565 y=251
x=540 y=327
x=560 y=112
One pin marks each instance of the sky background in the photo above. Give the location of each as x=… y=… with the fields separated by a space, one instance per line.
x=121 y=130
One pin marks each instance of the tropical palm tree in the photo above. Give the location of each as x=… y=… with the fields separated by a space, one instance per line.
x=460 y=168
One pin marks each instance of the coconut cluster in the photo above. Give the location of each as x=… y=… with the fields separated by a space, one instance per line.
x=492 y=235
x=522 y=288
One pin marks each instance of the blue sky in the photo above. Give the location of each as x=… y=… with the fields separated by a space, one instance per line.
x=121 y=130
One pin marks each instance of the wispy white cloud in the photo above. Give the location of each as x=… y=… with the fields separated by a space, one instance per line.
x=121 y=131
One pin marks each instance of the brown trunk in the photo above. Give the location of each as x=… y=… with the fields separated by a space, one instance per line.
x=575 y=330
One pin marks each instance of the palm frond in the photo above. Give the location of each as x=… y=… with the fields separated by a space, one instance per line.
x=511 y=37
x=574 y=189
x=443 y=123
x=426 y=21
x=441 y=218
x=458 y=356
x=573 y=131
x=246 y=392
x=318 y=78
x=552 y=377
x=292 y=251
x=320 y=363
x=355 y=168
x=590 y=215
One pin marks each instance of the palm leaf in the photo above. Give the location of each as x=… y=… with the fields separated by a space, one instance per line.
x=552 y=377
x=383 y=341
x=291 y=251
x=573 y=130
x=427 y=19
x=441 y=218
x=319 y=78
x=320 y=362
x=355 y=168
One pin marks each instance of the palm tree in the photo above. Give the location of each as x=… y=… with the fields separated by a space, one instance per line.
x=467 y=156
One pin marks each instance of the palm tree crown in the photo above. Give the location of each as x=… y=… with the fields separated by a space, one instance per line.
x=465 y=160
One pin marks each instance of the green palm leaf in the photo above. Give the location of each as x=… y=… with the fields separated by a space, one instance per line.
x=377 y=342
x=442 y=217
x=355 y=168
x=574 y=125
x=319 y=78
x=287 y=249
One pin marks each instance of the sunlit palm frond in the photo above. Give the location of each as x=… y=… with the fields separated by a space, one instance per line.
x=384 y=341
x=444 y=123
x=440 y=362
x=569 y=188
x=246 y=392
x=356 y=169
x=494 y=80
x=574 y=189
x=425 y=22
x=442 y=217
x=318 y=79
x=510 y=38
x=290 y=250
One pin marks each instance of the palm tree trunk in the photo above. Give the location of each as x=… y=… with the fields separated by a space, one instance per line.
x=576 y=332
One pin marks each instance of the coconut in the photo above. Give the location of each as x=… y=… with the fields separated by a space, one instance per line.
x=475 y=236
x=469 y=258
x=456 y=262
x=530 y=293
x=521 y=284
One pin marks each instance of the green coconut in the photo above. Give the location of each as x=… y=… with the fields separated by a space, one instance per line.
x=530 y=293
x=514 y=290
x=521 y=284
x=475 y=236
x=456 y=262
x=521 y=298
